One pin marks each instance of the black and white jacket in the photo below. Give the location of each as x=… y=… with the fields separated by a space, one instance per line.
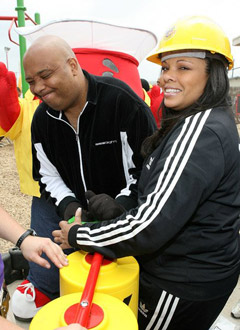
x=103 y=155
x=185 y=229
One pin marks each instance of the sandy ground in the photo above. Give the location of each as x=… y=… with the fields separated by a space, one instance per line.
x=11 y=198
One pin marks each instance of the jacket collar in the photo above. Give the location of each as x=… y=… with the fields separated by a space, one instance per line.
x=92 y=87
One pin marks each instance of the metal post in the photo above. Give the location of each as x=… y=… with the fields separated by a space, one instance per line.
x=37 y=18
x=22 y=41
x=6 y=51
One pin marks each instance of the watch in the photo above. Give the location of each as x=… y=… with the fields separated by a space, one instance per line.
x=24 y=235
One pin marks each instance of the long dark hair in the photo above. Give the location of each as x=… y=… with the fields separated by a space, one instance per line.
x=216 y=93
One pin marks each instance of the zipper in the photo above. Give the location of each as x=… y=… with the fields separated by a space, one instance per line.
x=77 y=140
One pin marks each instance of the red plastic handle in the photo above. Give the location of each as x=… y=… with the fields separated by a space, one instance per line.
x=84 y=307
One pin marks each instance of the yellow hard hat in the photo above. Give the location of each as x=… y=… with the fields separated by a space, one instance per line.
x=196 y=32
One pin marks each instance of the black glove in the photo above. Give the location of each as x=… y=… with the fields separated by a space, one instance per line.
x=103 y=206
x=71 y=210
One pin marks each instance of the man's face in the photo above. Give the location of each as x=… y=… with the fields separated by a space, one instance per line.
x=50 y=78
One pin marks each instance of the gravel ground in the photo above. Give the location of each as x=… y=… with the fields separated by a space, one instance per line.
x=11 y=198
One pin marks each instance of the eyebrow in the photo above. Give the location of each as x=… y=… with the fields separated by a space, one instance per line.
x=181 y=60
x=38 y=73
x=43 y=70
x=188 y=59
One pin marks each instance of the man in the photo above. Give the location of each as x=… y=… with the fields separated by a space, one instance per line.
x=87 y=135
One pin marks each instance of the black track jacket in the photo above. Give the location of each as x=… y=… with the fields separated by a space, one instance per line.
x=185 y=230
x=102 y=156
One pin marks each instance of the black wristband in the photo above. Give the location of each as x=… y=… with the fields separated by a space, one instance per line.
x=24 y=235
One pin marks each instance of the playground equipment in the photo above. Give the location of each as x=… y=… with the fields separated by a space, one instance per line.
x=113 y=50
x=114 y=314
x=20 y=21
x=118 y=278
x=95 y=310
x=102 y=49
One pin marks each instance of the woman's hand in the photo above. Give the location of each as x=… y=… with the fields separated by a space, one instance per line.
x=61 y=236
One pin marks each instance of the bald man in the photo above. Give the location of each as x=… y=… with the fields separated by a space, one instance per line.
x=86 y=135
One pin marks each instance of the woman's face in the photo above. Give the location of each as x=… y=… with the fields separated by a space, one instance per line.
x=183 y=80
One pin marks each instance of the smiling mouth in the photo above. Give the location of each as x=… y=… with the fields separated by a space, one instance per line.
x=172 y=91
x=45 y=97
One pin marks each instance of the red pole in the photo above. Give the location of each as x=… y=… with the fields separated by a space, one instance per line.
x=8 y=18
x=84 y=307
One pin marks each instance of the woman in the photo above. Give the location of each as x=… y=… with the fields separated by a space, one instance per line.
x=185 y=230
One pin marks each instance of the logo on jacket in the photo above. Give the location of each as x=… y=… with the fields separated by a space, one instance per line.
x=105 y=142
x=148 y=166
x=142 y=309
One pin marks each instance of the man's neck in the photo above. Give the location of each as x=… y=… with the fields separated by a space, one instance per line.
x=73 y=114
x=75 y=110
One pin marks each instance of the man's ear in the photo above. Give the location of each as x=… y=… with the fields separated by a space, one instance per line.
x=74 y=65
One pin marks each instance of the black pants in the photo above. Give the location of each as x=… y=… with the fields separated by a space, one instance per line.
x=172 y=313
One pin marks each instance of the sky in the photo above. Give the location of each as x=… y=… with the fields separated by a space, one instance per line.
x=153 y=15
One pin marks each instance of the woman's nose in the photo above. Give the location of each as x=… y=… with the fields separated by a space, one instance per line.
x=169 y=76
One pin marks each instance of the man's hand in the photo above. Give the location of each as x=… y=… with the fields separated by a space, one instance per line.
x=61 y=236
x=32 y=248
x=103 y=206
